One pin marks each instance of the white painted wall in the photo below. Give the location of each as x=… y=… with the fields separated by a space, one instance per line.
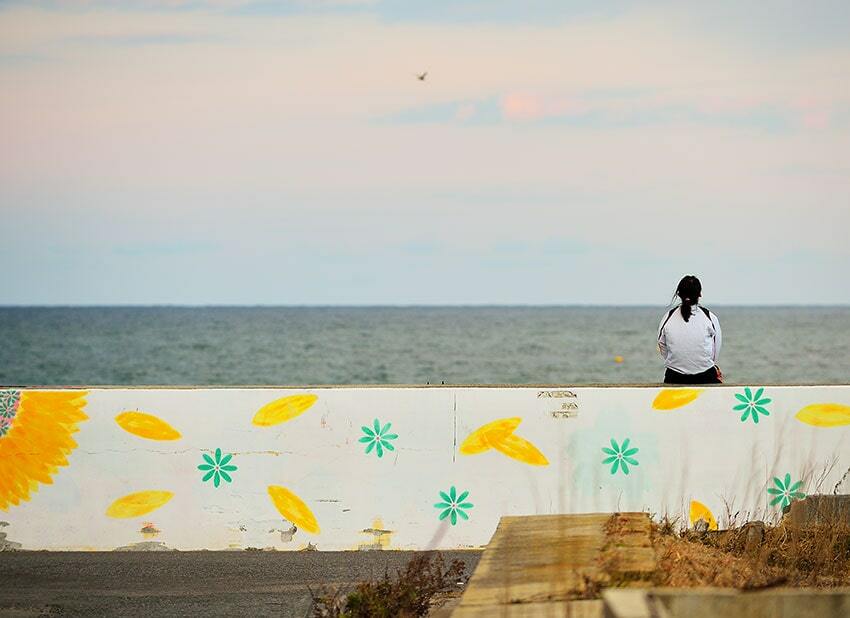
x=702 y=451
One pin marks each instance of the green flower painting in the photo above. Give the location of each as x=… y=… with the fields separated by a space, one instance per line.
x=218 y=468
x=620 y=455
x=9 y=402
x=785 y=492
x=453 y=505
x=752 y=404
x=378 y=439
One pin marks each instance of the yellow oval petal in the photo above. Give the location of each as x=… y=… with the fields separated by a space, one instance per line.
x=522 y=450
x=486 y=436
x=283 y=409
x=825 y=415
x=293 y=509
x=139 y=503
x=672 y=398
x=146 y=426
x=700 y=511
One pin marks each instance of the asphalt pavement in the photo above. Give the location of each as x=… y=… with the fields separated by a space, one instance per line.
x=244 y=583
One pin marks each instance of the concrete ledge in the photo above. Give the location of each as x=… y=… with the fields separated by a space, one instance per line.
x=713 y=602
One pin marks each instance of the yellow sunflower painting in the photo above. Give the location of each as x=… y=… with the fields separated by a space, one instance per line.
x=35 y=439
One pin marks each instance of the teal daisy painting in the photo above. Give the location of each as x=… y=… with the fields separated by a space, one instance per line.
x=620 y=456
x=218 y=468
x=784 y=492
x=454 y=506
x=752 y=404
x=378 y=438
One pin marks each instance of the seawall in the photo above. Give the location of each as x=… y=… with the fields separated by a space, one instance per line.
x=337 y=468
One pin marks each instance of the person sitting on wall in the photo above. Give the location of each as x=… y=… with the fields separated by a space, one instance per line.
x=689 y=338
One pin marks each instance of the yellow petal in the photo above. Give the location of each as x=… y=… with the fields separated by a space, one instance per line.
x=139 y=503
x=485 y=437
x=700 y=511
x=146 y=426
x=672 y=398
x=825 y=415
x=522 y=450
x=283 y=409
x=293 y=509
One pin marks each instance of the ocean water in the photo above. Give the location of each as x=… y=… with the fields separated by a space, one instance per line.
x=390 y=345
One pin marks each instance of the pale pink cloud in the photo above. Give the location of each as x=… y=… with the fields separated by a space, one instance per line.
x=465 y=112
x=522 y=106
x=816 y=119
x=732 y=103
x=815 y=114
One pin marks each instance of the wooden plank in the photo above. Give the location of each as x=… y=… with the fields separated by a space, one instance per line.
x=541 y=565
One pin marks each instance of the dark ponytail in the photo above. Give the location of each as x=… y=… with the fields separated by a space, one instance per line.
x=689 y=290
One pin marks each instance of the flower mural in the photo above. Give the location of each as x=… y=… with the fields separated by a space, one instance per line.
x=38 y=434
x=620 y=455
x=138 y=503
x=752 y=404
x=499 y=435
x=453 y=505
x=378 y=439
x=36 y=429
x=785 y=492
x=218 y=468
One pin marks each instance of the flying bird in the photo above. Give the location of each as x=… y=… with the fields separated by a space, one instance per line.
x=421 y=76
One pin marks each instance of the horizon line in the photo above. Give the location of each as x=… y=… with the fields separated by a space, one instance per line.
x=405 y=305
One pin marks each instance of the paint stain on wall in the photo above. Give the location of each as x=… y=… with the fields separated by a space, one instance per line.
x=146 y=426
x=6 y=544
x=824 y=415
x=701 y=512
x=672 y=398
x=37 y=439
x=149 y=531
x=283 y=409
x=293 y=509
x=380 y=536
x=499 y=436
x=145 y=546
x=285 y=535
x=138 y=504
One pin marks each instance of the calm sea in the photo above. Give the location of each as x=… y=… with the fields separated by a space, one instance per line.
x=468 y=345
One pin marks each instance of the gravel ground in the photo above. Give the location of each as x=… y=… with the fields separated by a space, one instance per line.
x=242 y=584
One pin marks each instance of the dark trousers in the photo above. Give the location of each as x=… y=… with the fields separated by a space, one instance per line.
x=709 y=376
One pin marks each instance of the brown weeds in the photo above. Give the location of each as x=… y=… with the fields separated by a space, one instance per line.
x=421 y=585
x=755 y=556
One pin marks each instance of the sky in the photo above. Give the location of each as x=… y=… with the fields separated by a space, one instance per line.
x=247 y=152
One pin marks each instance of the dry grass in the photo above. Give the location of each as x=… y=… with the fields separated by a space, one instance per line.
x=424 y=583
x=755 y=556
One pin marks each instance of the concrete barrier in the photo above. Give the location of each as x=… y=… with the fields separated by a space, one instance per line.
x=399 y=467
x=712 y=602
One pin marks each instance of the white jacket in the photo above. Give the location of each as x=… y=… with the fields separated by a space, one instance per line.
x=689 y=347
